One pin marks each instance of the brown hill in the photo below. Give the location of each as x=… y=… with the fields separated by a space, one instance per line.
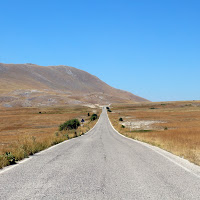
x=32 y=85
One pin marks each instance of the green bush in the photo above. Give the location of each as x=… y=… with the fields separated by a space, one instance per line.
x=93 y=117
x=10 y=158
x=69 y=125
x=120 y=119
x=109 y=110
x=88 y=114
x=123 y=126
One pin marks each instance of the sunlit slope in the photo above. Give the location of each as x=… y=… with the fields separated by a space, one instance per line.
x=21 y=83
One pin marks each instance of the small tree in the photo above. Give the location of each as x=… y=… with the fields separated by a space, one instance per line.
x=69 y=125
x=120 y=119
x=93 y=117
x=88 y=114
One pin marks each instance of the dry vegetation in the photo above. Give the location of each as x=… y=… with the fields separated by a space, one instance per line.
x=176 y=128
x=25 y=131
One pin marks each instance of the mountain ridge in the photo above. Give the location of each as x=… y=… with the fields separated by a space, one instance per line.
x=33 y=85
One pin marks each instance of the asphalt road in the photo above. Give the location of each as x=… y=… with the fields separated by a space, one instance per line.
x=100 y=165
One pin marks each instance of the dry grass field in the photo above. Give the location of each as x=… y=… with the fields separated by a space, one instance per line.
x=25 y=131
x=173 y=126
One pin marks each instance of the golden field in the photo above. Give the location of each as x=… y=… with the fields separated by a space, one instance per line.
x=173 y=126
x=25 y=131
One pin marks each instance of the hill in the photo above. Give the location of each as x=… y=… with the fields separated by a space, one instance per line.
x=26 y=85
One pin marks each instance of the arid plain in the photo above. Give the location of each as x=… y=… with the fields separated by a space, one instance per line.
x=173 y=126
x=25 y=131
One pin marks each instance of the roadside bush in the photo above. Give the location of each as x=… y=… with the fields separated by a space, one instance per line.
x=10 y=158
x=93 y=117
x=69 y=125
x=123 y=126
x=88 y=114
x=109 y=110
x=62 y=127
x=120 y=119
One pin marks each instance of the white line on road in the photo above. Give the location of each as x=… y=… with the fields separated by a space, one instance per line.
x=153 y=148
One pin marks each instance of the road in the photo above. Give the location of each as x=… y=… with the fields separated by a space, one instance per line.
x=99 y=165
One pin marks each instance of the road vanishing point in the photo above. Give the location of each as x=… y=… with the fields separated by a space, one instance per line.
x=101 y=164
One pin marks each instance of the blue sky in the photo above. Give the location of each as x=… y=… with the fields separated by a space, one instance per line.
x=148 y=47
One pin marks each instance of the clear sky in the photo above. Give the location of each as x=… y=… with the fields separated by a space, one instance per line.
x=148 y=47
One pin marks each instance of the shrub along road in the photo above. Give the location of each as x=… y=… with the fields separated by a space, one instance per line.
x=100 y=165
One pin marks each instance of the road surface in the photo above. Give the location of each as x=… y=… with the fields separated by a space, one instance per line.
x=99 y=165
